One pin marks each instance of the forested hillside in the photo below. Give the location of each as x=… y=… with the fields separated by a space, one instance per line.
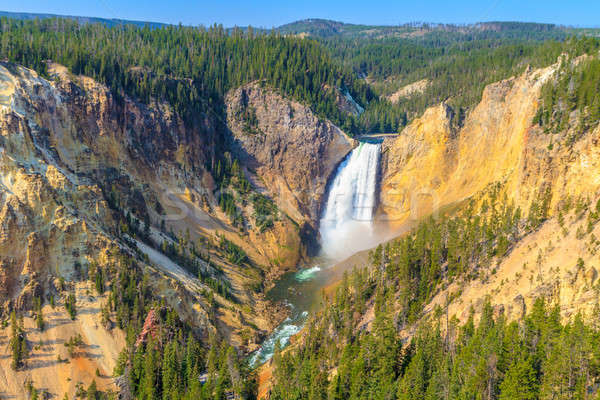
x=353 y=348
x=80 y=19
x=457 y=66
x=191 y=68
x=324 y=28
x=537 y=358
x=458 y=61
x=573 y=99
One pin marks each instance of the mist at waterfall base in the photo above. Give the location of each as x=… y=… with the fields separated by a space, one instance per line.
x=345 y=228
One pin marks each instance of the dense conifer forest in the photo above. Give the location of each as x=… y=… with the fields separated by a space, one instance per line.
x=457 y=60
x=538 y=357
x=457 y=67
x=192 y=68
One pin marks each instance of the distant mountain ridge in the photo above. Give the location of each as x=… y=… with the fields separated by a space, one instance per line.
x=325 y=28
x=82 y=20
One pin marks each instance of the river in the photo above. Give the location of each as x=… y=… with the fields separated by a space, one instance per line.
x=346 y=228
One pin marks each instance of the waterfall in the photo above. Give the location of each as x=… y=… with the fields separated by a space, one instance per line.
x=346 y=223
x=345 y=229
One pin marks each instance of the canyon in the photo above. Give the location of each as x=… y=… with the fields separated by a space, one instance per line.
x=76 y=163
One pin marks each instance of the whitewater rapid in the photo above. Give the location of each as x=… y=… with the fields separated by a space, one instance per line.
x=346 y=223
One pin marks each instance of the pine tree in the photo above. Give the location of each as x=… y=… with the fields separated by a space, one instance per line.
x=18 y=341
x=92 y=391
x=39 y=316
x=520 y=381
x=99 y=280
x=171 y=373
x=148 y=381
x=70 y=305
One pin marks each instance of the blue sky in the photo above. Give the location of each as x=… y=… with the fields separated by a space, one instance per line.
x=269 y=13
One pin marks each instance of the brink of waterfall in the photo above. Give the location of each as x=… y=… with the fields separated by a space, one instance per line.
x=346 y=223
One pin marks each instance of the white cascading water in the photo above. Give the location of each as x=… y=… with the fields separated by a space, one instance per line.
x=346 y=224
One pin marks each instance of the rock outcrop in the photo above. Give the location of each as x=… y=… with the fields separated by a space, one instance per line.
x=434 y=163
x=288 y=148
x=437 y=162
x=409 y=90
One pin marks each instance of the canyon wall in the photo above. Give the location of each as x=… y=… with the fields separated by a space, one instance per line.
x=292 y=152
x=437 y=162
x=76 y=162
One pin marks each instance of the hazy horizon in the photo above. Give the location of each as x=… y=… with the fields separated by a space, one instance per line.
x=269 y=13
x=434 y=23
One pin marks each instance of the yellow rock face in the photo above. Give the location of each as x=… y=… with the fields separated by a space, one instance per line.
x=67 y=146
x=543 y=264
x=432 y=165
x=417 y=164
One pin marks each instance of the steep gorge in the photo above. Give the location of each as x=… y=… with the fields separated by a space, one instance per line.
x=86 y=175
x=506 y=214
x=76 y=163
